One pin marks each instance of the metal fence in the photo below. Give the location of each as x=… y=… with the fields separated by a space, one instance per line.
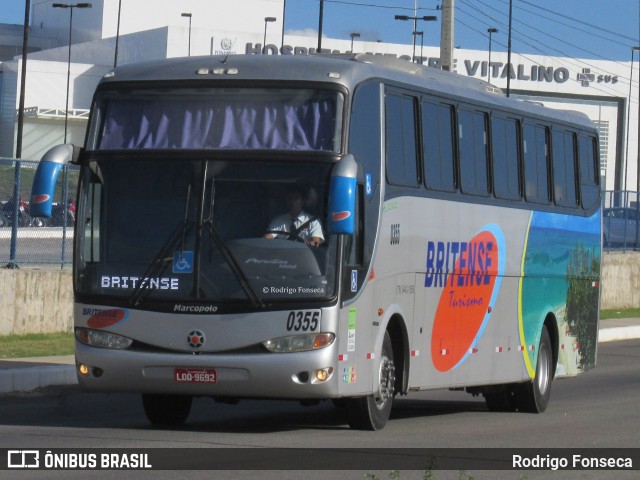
x=25 y=240
x=35 y=241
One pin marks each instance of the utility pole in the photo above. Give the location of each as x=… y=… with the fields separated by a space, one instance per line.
x=509 y=50
x=446 y=36
x=320 y=19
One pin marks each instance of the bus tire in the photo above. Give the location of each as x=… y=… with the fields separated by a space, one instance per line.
x=167 y=410
x=372 y=412
x=533 y=396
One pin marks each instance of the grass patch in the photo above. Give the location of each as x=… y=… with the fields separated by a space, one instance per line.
x=36 y=345
x=620 y=313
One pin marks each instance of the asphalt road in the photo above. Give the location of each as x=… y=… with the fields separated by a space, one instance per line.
x=36 y=246
x=597 y=410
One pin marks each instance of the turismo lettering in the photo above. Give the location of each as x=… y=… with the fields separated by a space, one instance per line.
x=458 y=264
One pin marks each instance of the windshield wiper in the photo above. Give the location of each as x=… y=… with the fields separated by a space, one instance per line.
x=222 y=247
x=165 y=256
x=233 y=265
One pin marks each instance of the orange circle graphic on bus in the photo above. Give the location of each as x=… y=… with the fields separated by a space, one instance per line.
x=471 y=283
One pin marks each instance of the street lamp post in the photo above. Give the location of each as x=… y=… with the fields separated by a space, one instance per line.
x=188 y=15
x=490 y=30
x=267 y=20
x=353 y=35
x=426 y=18
x=70 y=6
x=115 y=55
x=626 y=162
x=509 y=49
x=421 y=33
x=634 y=49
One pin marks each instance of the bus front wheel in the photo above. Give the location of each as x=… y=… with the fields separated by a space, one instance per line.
x=372 y=412
x=167 y=410
x=533 y=397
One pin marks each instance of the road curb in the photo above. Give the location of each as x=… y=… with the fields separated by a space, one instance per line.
x=613 y=334
x=32 y=378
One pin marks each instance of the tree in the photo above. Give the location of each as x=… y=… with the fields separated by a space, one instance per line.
x=582 y=301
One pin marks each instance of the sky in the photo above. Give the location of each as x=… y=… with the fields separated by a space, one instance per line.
x=595 y=29
x=598 y=29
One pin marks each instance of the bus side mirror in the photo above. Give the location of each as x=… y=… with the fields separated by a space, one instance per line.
x=342 y=196
x=44 y=181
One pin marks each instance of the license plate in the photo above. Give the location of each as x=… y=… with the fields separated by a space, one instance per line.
x=195 y=375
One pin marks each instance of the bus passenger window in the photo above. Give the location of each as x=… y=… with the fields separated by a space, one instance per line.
x=472 y=137
x=437 y=135
x=589 y=172
x=402 y=166
x=506 y=158
x=564 y=171
x=536 y=153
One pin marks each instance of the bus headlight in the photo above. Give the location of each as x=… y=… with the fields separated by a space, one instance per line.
x=99 y=338
x=299 y=343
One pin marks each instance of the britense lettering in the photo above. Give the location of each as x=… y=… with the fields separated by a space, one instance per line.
x=473 y=260
x=149 y=283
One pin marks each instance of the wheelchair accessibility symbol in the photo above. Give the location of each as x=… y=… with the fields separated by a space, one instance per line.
x=182 y=262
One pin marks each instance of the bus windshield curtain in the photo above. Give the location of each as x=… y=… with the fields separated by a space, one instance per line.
x=219 y=123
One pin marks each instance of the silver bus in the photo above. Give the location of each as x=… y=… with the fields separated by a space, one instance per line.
x=348 y=228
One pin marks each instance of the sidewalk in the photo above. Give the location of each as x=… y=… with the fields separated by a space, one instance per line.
x=28 y=374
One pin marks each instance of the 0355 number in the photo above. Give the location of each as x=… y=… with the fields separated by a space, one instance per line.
x=303 y=321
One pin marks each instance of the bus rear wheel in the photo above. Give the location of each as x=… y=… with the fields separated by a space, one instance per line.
x=372 y=412
x=533 y=397
x=166 y=410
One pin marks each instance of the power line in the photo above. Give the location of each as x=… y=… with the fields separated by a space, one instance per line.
x=523 y=38
x=591 y=25
x=375 y=5
x=536 y=42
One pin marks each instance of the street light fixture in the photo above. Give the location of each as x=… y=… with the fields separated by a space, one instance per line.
x=188 y=15
x=70 y=6
x=353 y=35
x=490 y=30
x=426 y=18
x=264 y=41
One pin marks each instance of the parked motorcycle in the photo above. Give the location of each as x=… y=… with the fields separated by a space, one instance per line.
x=59 y=215
x=7 y=212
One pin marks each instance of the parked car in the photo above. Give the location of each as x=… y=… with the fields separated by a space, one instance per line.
x=620 y=227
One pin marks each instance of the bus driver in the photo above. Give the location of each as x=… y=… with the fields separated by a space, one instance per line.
x=296 y=222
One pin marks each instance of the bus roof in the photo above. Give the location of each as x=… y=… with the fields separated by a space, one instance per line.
x=341 y=69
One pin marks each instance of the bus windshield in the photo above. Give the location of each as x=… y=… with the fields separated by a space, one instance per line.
x=218 y=119
x=198 y=230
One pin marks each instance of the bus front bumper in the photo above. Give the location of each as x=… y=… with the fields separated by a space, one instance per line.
x=303 y=375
